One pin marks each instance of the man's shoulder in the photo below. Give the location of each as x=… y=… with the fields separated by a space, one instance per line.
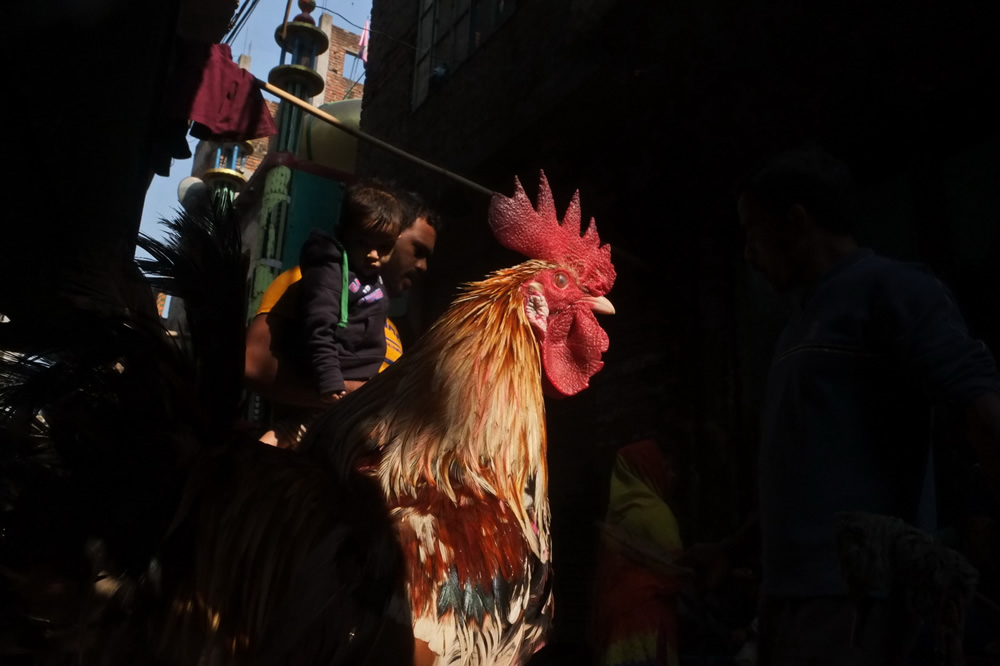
x=888 y=274
x=897 y=275
x=903 y=291
x=277 y=289
x=869 y=286
x=899 y=266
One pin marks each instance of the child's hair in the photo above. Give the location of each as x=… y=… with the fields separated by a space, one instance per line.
x=371 y=206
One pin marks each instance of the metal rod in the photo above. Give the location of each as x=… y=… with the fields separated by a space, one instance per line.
x=326 y=117
x=284 y=26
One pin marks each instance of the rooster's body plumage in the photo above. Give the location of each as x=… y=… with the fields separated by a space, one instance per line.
x=455 y=438
x=412 y=522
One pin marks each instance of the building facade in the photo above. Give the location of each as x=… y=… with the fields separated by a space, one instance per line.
x=654 y=111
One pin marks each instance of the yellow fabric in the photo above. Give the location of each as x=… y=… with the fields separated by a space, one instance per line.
x=639 y=648
x=636 y=507
x=636 y=582
x=393 y=345
x=277 y=289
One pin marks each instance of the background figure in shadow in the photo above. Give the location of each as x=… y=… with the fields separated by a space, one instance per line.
x=638 y=578
x=872 y=348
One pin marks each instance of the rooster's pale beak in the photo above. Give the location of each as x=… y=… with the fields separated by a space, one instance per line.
x=599 y=304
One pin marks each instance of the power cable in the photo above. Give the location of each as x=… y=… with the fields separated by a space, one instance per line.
x=239 y=13
x=243 y=21
x=360 y=27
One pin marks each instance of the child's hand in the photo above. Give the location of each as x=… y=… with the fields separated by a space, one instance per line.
x=351 y=385
x=335 y=396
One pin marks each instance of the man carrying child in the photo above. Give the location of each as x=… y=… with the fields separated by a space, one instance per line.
x=327 y=329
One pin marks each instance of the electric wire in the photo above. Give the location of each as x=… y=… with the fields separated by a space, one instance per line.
x=239 y=13
x=243 y=21
x=360 y=27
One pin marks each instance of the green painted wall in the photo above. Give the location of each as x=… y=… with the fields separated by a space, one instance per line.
x=315 y=204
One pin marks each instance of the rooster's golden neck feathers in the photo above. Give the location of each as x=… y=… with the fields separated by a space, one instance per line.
x=464 y=407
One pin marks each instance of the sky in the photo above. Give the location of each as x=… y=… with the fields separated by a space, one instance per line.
x=255 y=39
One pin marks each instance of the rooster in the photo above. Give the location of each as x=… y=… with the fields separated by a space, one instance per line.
x=410 y=525
x=456 y=435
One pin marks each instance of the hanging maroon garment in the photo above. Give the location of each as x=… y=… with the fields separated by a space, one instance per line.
x=229 y=105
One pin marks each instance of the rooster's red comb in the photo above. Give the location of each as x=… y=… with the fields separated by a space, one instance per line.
x=537 y=233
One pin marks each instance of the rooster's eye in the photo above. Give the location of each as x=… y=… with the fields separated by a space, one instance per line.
x=561 y=280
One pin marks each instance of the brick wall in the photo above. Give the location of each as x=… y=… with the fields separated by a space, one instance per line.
x=260 y=145
x=338 y=87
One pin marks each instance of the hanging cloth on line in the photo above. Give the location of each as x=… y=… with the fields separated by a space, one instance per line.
x=228 y=105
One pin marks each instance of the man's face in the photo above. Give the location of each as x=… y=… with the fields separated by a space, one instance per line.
x=409 y=259
x=770 y=247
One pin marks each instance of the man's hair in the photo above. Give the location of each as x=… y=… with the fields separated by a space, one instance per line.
x=371 y=206
x=811 y=178
x=415 y=206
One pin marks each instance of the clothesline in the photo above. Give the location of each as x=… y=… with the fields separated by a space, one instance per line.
x=326 y=117
x=225 y=104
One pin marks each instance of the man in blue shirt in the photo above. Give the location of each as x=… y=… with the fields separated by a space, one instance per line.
x=874 y=345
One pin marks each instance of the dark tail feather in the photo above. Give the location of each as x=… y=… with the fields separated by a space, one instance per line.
x=137 y=528
x=102 y=413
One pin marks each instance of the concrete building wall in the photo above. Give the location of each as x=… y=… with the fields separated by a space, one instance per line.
x=495 y=93
x=654 y=112
x=548 y=90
